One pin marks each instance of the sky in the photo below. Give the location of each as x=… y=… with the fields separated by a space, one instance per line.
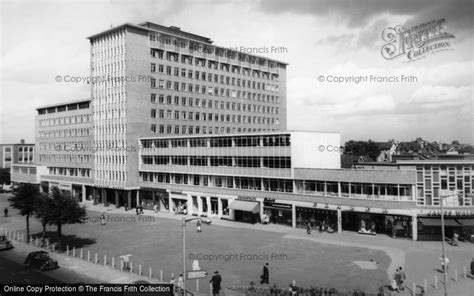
x=42 y=39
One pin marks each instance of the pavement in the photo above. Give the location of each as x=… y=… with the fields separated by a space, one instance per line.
x=95 y=273
x=420 y=259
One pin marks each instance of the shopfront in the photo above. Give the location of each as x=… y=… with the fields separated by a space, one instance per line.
x=179 y=203
x=326 y=218
x=376 y=223
x=460 y=221
x=277 y=213
x=246 y=209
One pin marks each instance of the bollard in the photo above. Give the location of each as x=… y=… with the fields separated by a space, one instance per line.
x=23 y=237
x=67 y=250
x=161 y=275
x=113 y=262
x=149 y=273
x=131 y=267
x=465 y=272
x=121 y=265
x=96 y=260
x=88 y=256
x=456 y=275
x=139 y=269
x=73 y=252
x=426 y=286
x=36 y=241
x=105 y=260
x=81 y=254
x=436 y=282
x=31 y=239
x=414 y=289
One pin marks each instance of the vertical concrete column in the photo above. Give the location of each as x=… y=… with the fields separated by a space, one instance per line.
x=293 y=216
x=84 y=197
x=219 y=207
x=104 y=195
x=199 y=201
x=339 y=189
x=190 y=205
x=260 y=201
x=153 y=194
x=339 y=221
x=116 y=193
x=209 y=210
x=414 y=227
x=138 y=197
x=129 y=199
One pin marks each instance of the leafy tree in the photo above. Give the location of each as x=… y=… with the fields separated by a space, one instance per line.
x=63 y=209
x=369 y=148
x=4 y=176
x=24 y=199
x=43 y=213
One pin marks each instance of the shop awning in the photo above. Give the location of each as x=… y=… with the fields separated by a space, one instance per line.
x=466 y=222
x=437 y=222
x=247 y=206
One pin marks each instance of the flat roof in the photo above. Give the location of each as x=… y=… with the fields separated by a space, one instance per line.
x=282 y=132
x=175 y=32
x=64 y=104
x=357 y=175
x=437 y=161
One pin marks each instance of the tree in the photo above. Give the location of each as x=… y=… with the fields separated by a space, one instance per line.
x=24 y=199
x=4 y=176
x=359 y=148
x=63 y=209
x=43 y=213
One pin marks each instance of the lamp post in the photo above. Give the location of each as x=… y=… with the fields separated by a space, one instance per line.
x=445 y=265
x=184 y=221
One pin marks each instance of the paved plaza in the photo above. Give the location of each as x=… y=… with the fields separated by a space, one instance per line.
x=239 y=251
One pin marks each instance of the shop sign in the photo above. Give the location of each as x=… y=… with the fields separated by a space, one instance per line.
x=65 y=186
x=247 y=198
x=437 y=213
x=278 y=205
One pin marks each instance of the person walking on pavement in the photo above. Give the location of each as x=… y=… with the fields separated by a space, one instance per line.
x=403 y=277
x=198 y=225
x=5 y=212
x=308 y=228
x=265 y=276
x=395 y=281
x=102 y=219
x=216 y=283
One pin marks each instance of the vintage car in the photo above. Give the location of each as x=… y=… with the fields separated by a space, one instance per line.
x=5 y=244
x=41 y=260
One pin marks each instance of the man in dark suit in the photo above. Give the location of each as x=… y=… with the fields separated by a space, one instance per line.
x=265 y=275
x=216 y=283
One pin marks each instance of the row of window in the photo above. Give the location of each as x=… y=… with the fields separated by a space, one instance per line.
x=235 y=141
x=198 y=116
x=70 y=172
x=212 y=64
x=74 y=132
x=190 y=130
x=73 y=119
x=216 y=104
x=24 y=170
x=206 y=90
x=63 y=108
x=76 y=158
x=220 y=161
x=210 y=77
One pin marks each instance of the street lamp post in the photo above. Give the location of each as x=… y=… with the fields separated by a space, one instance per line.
x=445 y=265
x=184 y=221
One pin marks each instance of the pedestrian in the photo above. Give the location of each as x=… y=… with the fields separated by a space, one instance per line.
x=472 y=267
x=5 y=212
x=395 y=281
x=320 y=227
x=308 y=228
x=137 y=210
x=155 y=207
x=444 y=263
x=141 y=208
x=265 y=276
x=216 y=283
x=198 y=225
x=180 y=283
x=126 y=207
x=102 y=219
x=293 y=289
x=403 y=277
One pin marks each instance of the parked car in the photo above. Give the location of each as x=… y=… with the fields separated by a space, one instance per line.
x=41 y=260
x=5 y=243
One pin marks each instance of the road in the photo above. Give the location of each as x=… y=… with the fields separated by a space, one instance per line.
x=13 y=271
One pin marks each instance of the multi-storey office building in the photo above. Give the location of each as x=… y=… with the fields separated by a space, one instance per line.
x=65 y=147
x=286 y=175
x=151 y=80
x=18 y=158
